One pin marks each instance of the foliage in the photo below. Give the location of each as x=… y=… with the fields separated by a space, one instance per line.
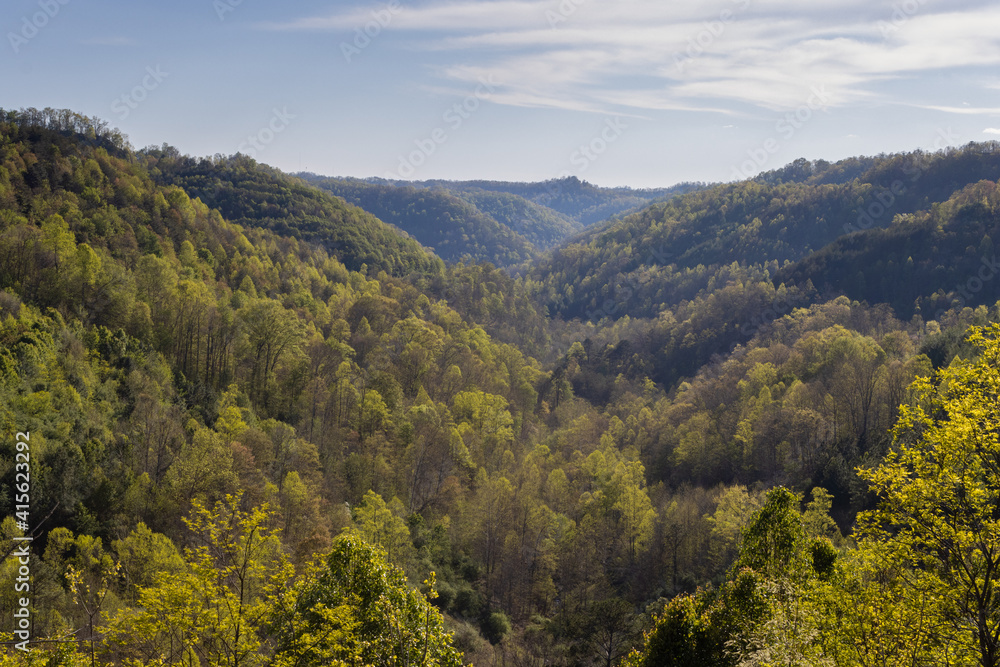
x=938 y=494
x=693 y=244
x=358 y=608
x=455 y=229
x=578 y=200
x=255 y=195
x=222 y=368
x=213 y=610
x=900 y=264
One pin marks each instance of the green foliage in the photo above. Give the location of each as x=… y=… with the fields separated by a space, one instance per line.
x=766 y=610
x=899 y=264
x=455 y=229
x=683 y=635
x=175 y=333
x=577 y=200
x=380 y=524
x=358 y=607
x=772 y=543
x=256 y=195
x=938 y=494
x=496 y=626
x=541 y=225
x=213 y=611
x=693 y=244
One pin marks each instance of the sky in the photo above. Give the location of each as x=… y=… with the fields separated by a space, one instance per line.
x=640 y=93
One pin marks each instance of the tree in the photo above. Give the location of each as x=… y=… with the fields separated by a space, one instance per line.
x=765 y=613
x=635 y=511
x=772 y=541
x=356 y=608
x=88 y=266
x=939 y=497
x=817 y=520
x=271 y=332
x=90 y=574
x=733 y=511
x=784 y=567
x=686 y=634
x=203 y=468
x=214 y=611
x=57 y=239
x=485 y=415
x=612 y=629
x=143 y=555
x=380 y=524
x=873 y=613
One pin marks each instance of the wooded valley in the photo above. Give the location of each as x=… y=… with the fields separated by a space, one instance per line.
x=281 y=419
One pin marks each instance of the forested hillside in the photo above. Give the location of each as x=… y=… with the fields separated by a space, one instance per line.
x=924 y=262
x=485 y=221
x=578 y=200
x=543 y=226
x=672 y=252
x=455 y=229
x=255 y=195
x=262 y=427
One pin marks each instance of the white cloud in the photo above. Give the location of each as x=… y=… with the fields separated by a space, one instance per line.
x=969 y=111
x=710 y=55
x=992 y=130
x=474 y=16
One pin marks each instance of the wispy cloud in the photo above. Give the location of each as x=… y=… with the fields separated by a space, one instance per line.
x=714 y=55
x=992 y=130
x=457 y=16
x=967 y=111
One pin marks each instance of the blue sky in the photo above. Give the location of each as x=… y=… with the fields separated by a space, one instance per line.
x=616 y=92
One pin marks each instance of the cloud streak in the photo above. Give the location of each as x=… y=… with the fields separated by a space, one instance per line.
x=631 y=56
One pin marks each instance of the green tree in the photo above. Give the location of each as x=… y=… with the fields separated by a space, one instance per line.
x=88 y=266
x=356 y=608
x=271 y=332
x=772 y=543
x=634 y=509
x=817 y=520
x=487 y=417
x=874 y=613
x=215 y=611
x=939 y=498
x=143 y=556
x=381 y=525
x=90 y=575
x=785 y=565
x=685 y=634
x=612 y=629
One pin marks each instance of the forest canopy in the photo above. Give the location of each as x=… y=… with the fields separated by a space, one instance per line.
x=265 y=427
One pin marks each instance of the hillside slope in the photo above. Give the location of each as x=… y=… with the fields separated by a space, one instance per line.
x=256 y=195
x=541 y=225
x=455 y=229
x=578 y=200
x=926 y=262
x=379 y=450
x=670 y=252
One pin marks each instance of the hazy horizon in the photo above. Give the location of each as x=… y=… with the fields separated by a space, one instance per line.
x=637 y=94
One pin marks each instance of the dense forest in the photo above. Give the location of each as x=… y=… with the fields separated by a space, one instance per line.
x=677 y=250
x=505 y=224
x=254 y=195
x=577 y=200
x=247 y=422
x=455 y=229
